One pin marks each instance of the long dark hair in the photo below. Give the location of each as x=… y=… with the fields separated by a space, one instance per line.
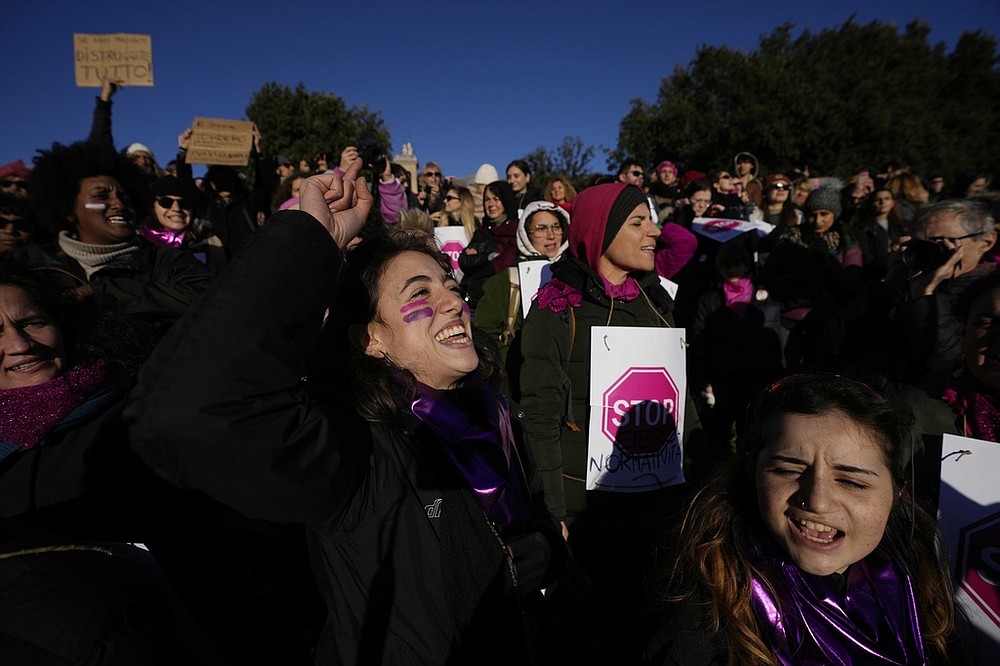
x=377 y=389
x=719 y=529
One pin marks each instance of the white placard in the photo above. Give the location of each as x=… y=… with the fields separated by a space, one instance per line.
x=670 y=286
x=637 y=389
x=532 y=275
x=723 y=230
x=970 y=521
x=452 y=240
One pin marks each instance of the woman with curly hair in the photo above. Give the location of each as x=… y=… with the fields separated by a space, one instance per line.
x=809 y=547
x=87 y=196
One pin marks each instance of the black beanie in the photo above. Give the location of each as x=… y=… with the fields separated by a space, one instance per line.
x=624 y=204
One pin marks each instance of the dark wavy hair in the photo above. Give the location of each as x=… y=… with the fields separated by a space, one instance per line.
x=58 y=172
x=719 y=529
x=376 y=388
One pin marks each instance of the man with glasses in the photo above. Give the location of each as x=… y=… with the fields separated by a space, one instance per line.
x=631 y=172
x=927 y=326
x=429 y=196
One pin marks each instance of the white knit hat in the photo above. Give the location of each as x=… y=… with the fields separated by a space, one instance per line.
x=486 y=174
x=137 y=148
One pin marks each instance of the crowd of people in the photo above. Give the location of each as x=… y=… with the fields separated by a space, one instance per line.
x=333 y=451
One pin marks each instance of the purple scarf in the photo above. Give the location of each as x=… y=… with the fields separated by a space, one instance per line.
x=979 y=407
x=164 y=237
x=28 y=413
x=474 y=425
x=866 y=616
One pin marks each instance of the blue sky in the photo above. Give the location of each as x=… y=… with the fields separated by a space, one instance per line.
x=465 y=83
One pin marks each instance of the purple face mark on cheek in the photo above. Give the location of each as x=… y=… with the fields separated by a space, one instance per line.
x=466 y=309
x=417 y=315
x=411 y=313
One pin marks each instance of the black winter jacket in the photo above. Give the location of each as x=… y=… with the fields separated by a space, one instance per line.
x=411 y=570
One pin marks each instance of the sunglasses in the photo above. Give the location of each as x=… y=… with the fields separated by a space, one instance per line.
x=168 y=202
x=635 y=174
x=451 y=197
x=780 y=186
x=432 y=174
x=20 y=184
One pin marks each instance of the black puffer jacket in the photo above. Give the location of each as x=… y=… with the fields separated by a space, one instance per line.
x=411 y=569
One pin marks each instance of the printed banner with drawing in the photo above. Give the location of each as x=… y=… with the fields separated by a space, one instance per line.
x=637 y=389
x=970 y=521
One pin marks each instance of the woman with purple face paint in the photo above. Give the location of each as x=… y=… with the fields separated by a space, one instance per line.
x=379 y=428
x=86 y=197
x=809 y=547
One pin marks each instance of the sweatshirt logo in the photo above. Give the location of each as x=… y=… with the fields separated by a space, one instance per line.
x=434 y=510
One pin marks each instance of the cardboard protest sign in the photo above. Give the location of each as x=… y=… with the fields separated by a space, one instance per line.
x=452 y=240
x=970 y=521
x=637 y=389
x=723 y=230
x=531 y=276
x=217 y=141
x=120 y=56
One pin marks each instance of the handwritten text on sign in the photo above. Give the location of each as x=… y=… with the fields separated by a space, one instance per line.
x=119 y=56
x=217 y=141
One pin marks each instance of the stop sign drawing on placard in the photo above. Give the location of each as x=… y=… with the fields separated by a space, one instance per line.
x=979 y=564
x=453 y=249
x=638 y=411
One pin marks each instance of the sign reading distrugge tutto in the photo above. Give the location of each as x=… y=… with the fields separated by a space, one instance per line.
x=637 y=389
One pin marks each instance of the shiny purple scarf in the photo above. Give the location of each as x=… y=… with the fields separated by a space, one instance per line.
x=473 y=424
x=162 y=236
x=28 y=413
x=866 y=616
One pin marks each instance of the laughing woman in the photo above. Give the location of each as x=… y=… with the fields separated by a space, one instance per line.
x=87 y=196
x=428 y=531
x=810 y=549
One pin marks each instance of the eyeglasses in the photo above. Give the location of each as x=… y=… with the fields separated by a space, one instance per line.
x=451 y=197
x=542 y=230
x=20 y=184
x=432 y=174
x=168 y=202
x=780 y=186
x=954 y=240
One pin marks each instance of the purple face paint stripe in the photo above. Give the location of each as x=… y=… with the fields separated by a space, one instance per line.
x=414 y=304
x=417 y=315
x=466 y=309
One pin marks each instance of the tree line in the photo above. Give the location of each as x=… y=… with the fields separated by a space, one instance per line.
x=835 y=100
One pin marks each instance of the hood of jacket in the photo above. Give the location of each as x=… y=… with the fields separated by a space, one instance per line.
x=524 y=246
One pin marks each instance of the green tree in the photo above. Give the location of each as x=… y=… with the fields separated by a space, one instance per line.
x=570 y=158
x=838 y=99
x=301 y=124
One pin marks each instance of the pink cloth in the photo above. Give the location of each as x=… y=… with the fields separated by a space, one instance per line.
x=674 y=249
x=28 y=413
x=738 y=295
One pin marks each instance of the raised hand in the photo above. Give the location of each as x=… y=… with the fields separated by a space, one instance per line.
x=341 y=204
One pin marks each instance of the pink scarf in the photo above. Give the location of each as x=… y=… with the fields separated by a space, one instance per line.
x=28 y=413
x=738 y=295
x=979 y=408
x=162 y=236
